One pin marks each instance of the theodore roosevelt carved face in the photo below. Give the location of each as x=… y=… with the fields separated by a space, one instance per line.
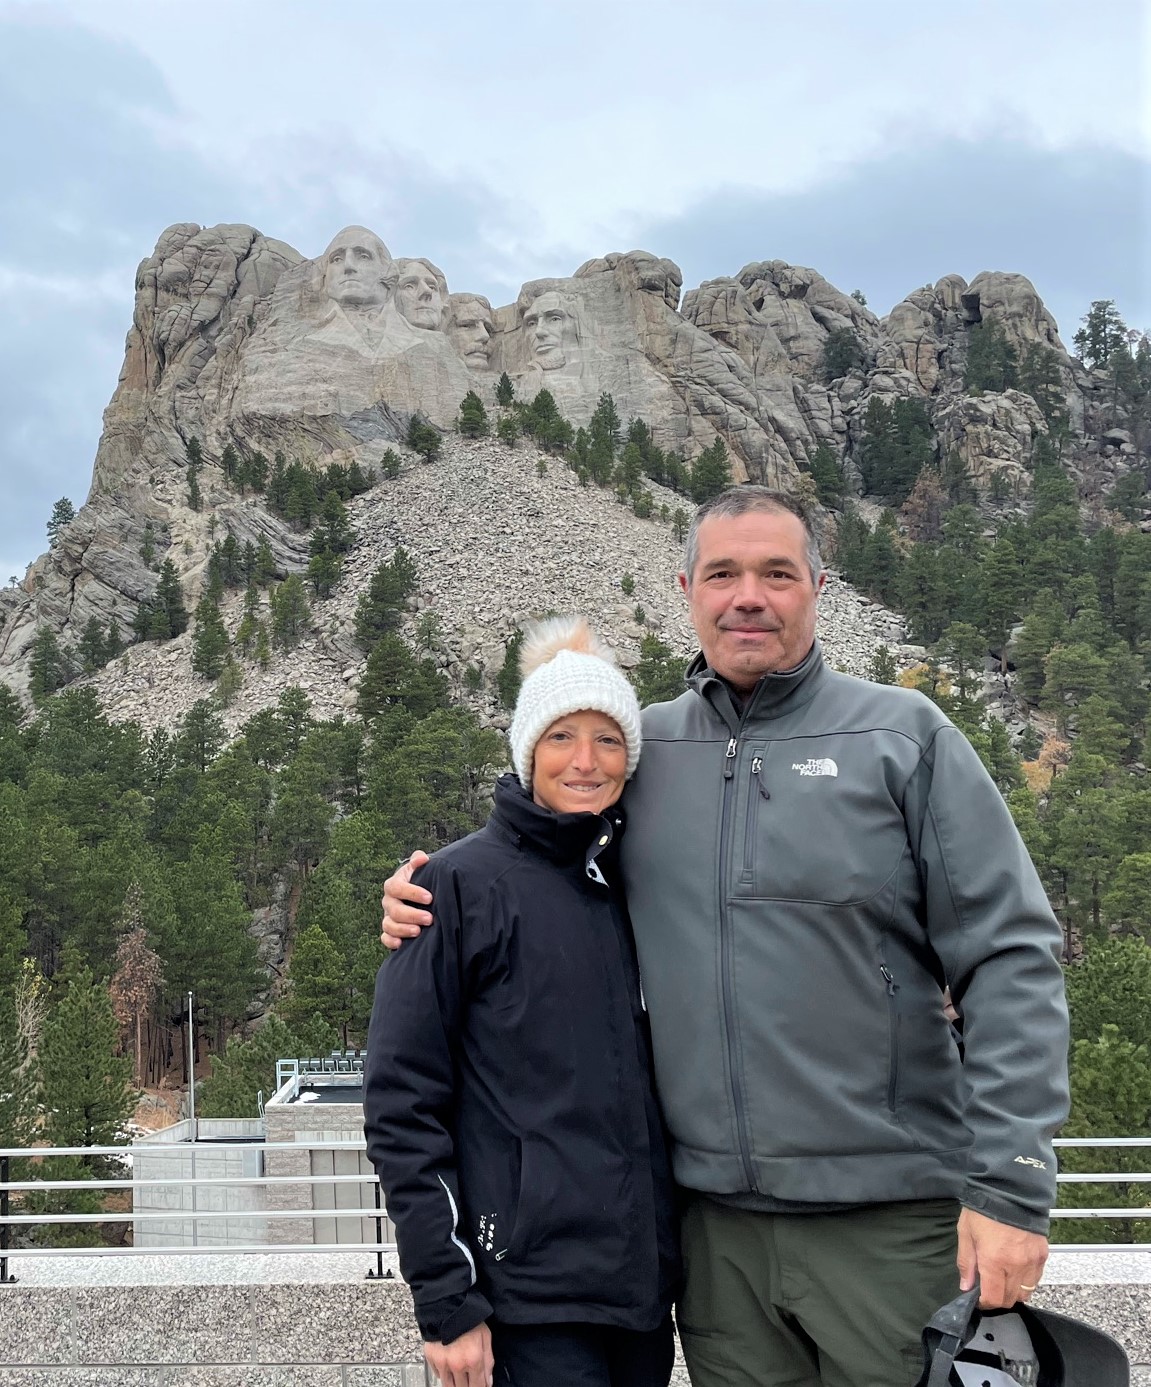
x=470 y=328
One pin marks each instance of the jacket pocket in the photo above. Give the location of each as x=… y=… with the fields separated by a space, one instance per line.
x=757 y=794
x=893 y=1029
x=533 y=1200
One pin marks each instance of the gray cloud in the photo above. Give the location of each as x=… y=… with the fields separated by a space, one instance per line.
x=1076 y=222
x=98 y=158
x=97 y=174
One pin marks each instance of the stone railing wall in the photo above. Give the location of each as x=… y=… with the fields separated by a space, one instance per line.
x=308 y=1323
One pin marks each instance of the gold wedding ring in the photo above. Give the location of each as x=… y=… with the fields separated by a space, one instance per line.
x=1022 y=1287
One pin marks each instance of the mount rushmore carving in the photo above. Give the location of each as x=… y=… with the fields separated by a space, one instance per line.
x=238 y=339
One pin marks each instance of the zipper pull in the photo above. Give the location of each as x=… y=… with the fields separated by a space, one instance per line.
x=729 y=760
x=755 y=769
x=888 y=979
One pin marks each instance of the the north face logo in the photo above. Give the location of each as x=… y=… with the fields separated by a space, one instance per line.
x=818 y=765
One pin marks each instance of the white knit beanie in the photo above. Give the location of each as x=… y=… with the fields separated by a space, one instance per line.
x=566 y=669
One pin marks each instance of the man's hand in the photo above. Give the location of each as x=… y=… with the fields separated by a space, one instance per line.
x=1008 y=1262
x=466 y=1361
x=402 y=920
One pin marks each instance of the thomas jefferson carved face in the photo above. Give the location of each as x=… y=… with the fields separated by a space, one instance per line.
x=470 y=328
x=420 y=293
x=356 y=267
x=551 y=330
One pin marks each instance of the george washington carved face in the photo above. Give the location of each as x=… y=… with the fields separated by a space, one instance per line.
x=356 y=269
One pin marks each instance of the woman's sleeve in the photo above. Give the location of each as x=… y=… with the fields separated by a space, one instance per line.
x=409 y=1106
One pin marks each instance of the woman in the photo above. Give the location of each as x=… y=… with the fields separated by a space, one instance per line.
x=509 y=1108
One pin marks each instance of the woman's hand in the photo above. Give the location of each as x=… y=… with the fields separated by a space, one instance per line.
x=466 y=1361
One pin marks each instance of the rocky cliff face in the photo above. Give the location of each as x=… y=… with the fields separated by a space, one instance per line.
x=236 y=338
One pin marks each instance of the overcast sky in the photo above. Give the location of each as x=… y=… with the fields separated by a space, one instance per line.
x=884 y=143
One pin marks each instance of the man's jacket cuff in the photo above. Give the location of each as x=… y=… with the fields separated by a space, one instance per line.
x=442 y=1321
x=1004 y=1210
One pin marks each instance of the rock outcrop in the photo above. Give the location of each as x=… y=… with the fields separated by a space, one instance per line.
x=238 y=339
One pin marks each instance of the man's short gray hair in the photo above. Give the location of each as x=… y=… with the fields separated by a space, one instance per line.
x=742 y=500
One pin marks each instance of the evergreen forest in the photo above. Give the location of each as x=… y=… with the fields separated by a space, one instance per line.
x=137 y=869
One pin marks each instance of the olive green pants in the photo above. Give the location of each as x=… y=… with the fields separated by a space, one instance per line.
x=813 y=1300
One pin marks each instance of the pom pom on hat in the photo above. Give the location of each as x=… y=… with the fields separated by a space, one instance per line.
x=566 y=669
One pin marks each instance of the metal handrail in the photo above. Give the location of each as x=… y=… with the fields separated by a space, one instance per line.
x=9 y=1220
x=145 y=1148
x=38 y=1154
x=25 y=1186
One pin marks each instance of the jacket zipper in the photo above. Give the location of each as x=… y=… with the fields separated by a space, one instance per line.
x=752 y=821
x=725 y=964
x=893 y=1034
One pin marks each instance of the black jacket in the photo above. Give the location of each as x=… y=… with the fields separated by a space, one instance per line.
x=508 y=1105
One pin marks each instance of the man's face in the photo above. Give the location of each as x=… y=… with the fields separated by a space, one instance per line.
x=751 y=596
x=418 y=296
x=471 y=331
x=354 y=272
x=550 y=330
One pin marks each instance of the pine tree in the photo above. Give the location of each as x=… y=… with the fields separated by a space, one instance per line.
x=230 y=463
x=659 y=676
x=710 y=473
x=210 y=642
x=317 y=983
x=48 y=668
x=1041 y=378
x=195 y=461
x=423 y=438
x=827 y=473
x=473 y=420
x=964 y=650
x=168 y=603
x=1001 y=592
x=508 y=678
x=505 y=391
x=992 y=361
x=382 y=605
x=114 y=641
x=138 y=976
x=1102 y=333
x=842 y=353
x=248 y=1067
x=883 y=669
x=63 y=513
x=201 y=737
x=393 y=677
x=291 y=615
x=87 y=1093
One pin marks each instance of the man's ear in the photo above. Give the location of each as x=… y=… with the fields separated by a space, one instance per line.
x=683 y=583
x=822 y=581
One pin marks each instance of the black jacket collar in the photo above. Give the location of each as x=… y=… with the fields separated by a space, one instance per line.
x=561 y=838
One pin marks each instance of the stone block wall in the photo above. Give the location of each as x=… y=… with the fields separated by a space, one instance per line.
x=318 y=1333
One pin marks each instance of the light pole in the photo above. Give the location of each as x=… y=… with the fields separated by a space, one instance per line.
x=191 y=1069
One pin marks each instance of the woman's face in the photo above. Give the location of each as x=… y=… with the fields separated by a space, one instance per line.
x=580 y=764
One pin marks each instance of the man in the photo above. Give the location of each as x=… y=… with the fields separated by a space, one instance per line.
x=811 y=859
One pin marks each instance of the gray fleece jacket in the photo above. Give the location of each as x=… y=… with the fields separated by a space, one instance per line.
x=804 y=875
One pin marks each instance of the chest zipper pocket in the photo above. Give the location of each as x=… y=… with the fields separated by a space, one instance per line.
x=757 y=792
x=893 y=1035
